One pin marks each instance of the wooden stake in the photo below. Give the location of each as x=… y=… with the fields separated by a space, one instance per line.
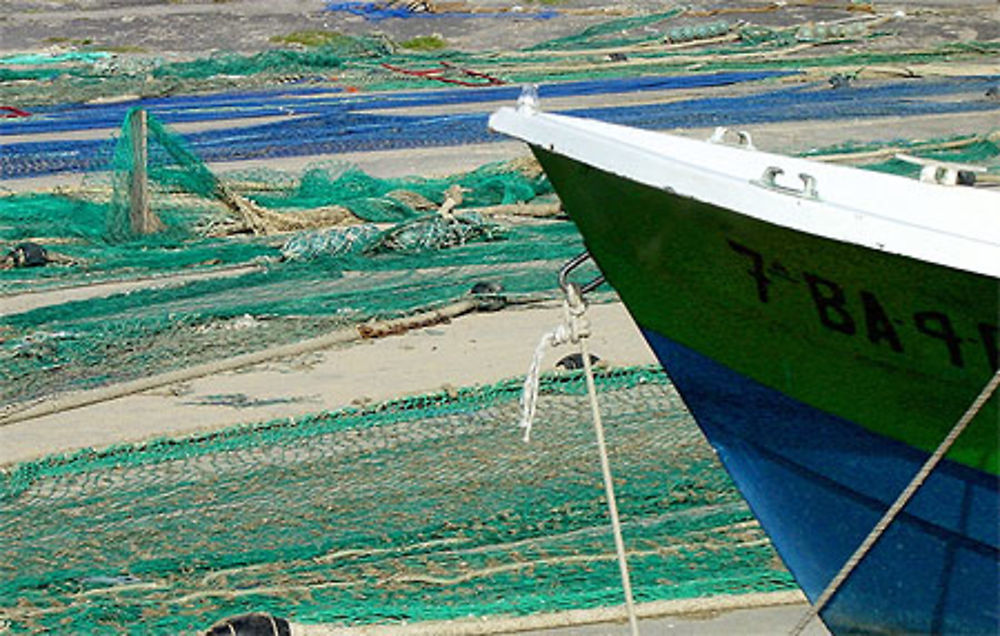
x=140 y=215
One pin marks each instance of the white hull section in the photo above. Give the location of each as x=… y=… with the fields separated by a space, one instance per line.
x=954 y=226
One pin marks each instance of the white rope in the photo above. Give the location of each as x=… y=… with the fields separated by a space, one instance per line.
x=529 y=394
x=901 y=501
x=576 y=328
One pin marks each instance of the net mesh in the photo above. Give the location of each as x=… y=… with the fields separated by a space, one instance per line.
x=305 y=123
x=127 y=335
x=982 y=151
x=427 y=508
x=291 y=285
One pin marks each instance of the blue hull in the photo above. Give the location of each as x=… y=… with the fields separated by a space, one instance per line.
x=819 y=483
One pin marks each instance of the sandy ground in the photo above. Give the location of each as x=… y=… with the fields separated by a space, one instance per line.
x=764 y=621
x=753 y=614
x=476 y=349
x=747 y=621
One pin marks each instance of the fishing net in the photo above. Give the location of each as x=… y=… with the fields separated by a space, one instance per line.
x=335 y=272
x=392 y=200
x=127 y=335
x=426 y=508
x=303 y=122
x=377 y=11
x=420 y=509
x=982 y=151
x=610 y=33
x=434 y=233
x=332 y=242
x=193 y=204
x=170 y=166
x=676 y=40
x=82 y=78
x=330 y=55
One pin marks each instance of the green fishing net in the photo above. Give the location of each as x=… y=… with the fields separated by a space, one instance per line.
x=713 y=40
x=294 y=285
x=426 y=508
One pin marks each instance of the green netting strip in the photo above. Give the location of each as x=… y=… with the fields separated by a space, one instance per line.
x=980 y=150
x=14 y=481
x=358 y=60
x=590 y=37
x=424 y=508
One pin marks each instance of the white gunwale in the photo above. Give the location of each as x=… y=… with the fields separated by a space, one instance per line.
x=954 y=226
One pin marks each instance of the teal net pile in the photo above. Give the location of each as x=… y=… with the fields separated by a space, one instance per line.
x=380 y=200
x=675 y=40
x=327 y=250
x=88 y=75
x=195 y=209
x=90 y=230
x=426 y=508
x=617 y=32
x=330 y=55
x=123 y=336
x=76 y=229
x=87 y=343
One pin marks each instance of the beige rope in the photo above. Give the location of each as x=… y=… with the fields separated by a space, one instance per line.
x=609 y=488
x=577 y=329
x=901 y=501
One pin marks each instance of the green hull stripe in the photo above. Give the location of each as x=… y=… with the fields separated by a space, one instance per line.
x=898 y=346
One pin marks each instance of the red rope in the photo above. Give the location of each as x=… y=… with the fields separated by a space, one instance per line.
x=437 y=74
x=13 y=111
x=494 y=81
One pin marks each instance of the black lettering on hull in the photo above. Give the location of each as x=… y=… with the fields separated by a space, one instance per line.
x=834 y=311
x=830 y=303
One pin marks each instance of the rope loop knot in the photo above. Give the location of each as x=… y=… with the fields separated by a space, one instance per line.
x=574 y=328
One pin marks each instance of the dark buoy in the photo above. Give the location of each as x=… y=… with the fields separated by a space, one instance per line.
x=574 y=361
x=26 y=255
x=841 y=80
x=251 y=625
x=966 y=178
x=490 y=295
